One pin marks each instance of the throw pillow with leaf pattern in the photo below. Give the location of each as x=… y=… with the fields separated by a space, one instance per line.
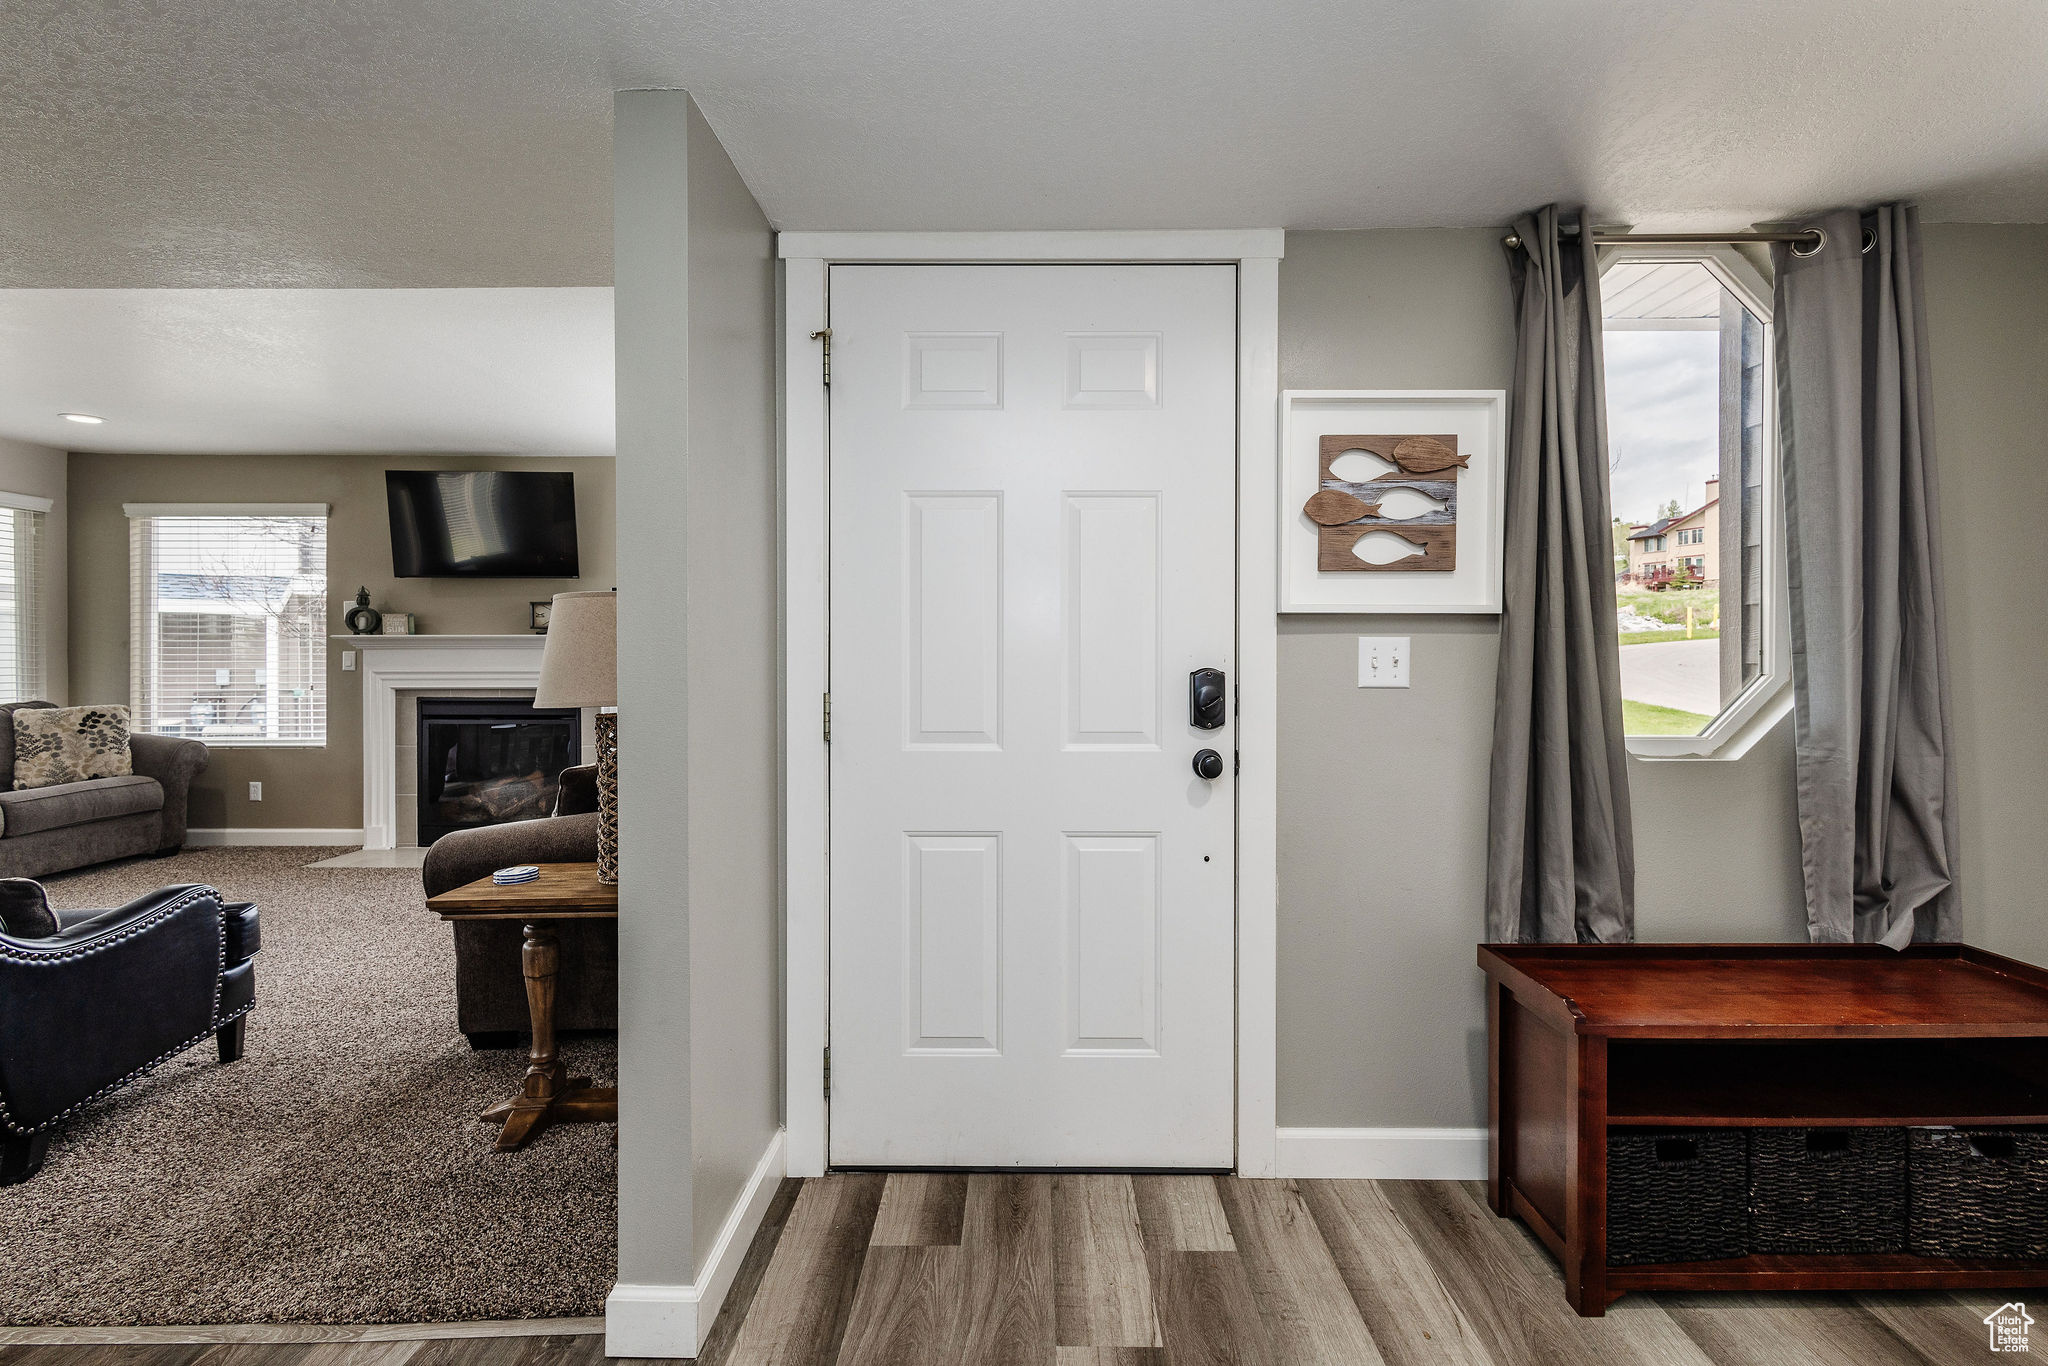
x=69 y=745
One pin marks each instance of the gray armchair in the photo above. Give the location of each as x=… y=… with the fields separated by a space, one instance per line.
x=45 y=830
x=490 y=989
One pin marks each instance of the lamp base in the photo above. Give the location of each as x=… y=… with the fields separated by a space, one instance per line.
x=608 y=797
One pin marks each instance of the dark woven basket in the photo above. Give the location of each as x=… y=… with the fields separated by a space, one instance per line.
x=1676 y=1195
x=1827 y=1190
x=1978 y=1193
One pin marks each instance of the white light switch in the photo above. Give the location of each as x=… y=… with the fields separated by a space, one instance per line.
x=348 y=661
x=1383 y=661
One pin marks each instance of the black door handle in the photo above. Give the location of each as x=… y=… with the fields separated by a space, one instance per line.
x=1207 y=705
x=1208 y=764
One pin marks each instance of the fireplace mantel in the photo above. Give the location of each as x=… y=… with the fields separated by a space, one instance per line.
x=391 y=664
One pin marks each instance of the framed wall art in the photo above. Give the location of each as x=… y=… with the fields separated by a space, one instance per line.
x=1390 y=499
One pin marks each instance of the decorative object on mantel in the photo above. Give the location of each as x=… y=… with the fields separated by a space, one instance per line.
x=1392 y=500
x=363 y=619
x=1419 y=531
x=538 y=614
x=398 y=624
x=579 y=668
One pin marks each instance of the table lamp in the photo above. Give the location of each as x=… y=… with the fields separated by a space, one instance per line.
x=579 y=667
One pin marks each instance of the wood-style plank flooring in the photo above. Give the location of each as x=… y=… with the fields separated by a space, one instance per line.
x=920 y=1269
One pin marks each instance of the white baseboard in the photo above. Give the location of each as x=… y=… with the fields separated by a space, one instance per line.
x=256 y=834
x=1382 y=1154
x=673 y=1320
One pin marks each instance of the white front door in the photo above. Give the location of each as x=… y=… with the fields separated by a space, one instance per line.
x=1033 y=545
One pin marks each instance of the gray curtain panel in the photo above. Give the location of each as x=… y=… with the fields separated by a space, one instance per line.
x=1560 y=855
x=1877 y=784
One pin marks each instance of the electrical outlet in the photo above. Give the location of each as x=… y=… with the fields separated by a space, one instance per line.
x=348 y=661
x=1383 y=661
x=255 y=792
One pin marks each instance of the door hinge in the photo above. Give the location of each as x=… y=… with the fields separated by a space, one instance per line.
x=828 y=718
x=828 y=1070
x=824 y=334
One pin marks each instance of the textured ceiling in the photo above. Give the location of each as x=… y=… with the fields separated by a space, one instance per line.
x=465 y=142
x=295 y=371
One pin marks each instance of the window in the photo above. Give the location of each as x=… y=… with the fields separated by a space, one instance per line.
x=228 y=622
x=1687 y=338
x=23 y=648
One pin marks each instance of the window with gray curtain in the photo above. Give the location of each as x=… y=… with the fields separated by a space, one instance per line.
x=1693 y=481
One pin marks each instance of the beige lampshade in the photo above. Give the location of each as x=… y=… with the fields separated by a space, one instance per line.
x=580 y=665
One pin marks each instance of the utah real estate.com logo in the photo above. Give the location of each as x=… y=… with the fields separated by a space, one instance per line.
x=2008 y=1324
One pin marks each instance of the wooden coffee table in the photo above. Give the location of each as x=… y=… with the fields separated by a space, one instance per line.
x=563 y=891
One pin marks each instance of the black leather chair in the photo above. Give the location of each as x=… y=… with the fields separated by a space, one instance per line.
x=106 y=995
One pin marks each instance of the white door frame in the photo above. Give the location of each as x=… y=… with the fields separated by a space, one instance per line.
x=806 y=505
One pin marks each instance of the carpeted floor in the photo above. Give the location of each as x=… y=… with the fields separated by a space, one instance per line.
x=338 y=1173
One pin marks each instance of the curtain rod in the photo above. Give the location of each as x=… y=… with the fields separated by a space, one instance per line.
x=1805 y=241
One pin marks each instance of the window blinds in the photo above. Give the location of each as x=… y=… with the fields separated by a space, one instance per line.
x=227 y=623
x=22 y=626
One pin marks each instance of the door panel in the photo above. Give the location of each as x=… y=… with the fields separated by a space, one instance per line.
x=1033 y=540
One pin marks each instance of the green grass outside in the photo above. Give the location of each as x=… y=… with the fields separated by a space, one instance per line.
x=1670 y=605
x=1641 y=718
x=1653 y=637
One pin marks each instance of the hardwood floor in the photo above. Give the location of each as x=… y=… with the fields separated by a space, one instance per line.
x=919 y=1269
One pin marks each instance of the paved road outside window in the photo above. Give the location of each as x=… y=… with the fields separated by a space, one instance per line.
x=1685 y=674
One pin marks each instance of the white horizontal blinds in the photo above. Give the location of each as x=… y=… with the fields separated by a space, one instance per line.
x=228 y=616
x=23 y=628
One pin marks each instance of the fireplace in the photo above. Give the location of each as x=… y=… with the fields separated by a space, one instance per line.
x=487 y=760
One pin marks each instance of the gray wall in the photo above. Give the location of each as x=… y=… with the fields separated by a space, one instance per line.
x=322 y=788
x=1383 y=792
x=1987 y=297
x=699 y=1003
x=735 y=707
x=39 y=472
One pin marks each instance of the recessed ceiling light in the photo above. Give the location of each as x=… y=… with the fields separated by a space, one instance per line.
x=87 y=418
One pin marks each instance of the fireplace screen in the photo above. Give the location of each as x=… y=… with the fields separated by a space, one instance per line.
x=484 y=761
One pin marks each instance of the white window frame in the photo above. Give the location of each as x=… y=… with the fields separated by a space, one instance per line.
x=33 y=609
x=1758 y=708
x=150 y=511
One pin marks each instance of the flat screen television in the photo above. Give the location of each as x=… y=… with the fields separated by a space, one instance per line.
x=501 y=524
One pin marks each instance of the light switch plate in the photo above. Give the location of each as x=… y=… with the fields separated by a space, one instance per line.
x=255 y=792
x=1383 y=661
x=348 y=661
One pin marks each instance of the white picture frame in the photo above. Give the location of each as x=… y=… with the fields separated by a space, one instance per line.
x=1479 y=419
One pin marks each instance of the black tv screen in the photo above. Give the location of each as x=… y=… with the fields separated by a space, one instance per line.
x=482 y=524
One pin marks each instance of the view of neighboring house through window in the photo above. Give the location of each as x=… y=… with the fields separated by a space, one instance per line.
x=1687 y=393
x=228 y=623
x=22 y=626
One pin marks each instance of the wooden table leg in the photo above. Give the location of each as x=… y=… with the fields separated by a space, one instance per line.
x=1500 y=1124
x=1585 y=1265
x=548 y=1095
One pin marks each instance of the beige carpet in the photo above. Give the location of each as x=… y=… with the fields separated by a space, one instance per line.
x=338 y=1173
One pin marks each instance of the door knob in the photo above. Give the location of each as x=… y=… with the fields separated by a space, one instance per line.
x=1208 y=764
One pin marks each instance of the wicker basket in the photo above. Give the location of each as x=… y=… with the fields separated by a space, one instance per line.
x=1676 y=1195
x=1827 y=1190
x=1978 y=1193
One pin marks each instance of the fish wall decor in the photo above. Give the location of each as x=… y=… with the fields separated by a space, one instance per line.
x=1345 y=511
